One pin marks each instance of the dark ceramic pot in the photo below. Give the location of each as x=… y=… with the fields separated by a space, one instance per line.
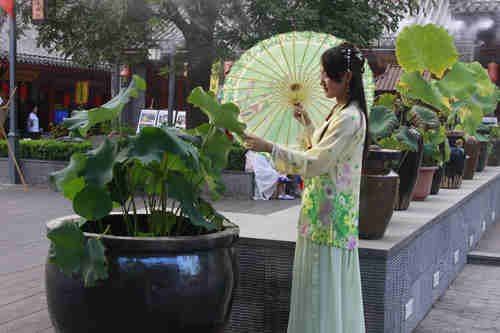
x=472 y=148
x=494 y=158
x=483 y=156
x=424 y=183
x=436 y=181
x=165 y=284
x=408 y=173
x=379 y=190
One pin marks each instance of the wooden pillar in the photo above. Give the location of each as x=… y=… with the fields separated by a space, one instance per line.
x=51 y=101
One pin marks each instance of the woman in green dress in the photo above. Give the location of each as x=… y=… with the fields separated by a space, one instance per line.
x=326 y=288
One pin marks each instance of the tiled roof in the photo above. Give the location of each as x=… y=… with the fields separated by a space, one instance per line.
x=387 y=81
x=28 y=51
x=474 y=6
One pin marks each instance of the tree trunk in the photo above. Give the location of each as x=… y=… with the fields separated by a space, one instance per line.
x=201 y=55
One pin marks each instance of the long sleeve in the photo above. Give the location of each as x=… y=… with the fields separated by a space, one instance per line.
x=344 y=129
x=305 y=137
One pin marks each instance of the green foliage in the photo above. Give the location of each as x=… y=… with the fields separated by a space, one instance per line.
x=495 y=132
x=75 y=255
x=386 y=100
x=80 y=122
x=236 y=158
x=47 y=150
x=426 y=48
x=415 y=87
x=382 y=122
x=436 y=146
x=166 y=166
x=424 y=117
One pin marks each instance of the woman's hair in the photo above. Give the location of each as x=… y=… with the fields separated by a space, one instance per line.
x=348 y=58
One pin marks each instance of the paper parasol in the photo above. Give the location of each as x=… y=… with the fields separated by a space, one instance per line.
x=277 y=73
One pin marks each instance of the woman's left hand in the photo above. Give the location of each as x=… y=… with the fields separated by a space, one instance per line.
x=258 y=144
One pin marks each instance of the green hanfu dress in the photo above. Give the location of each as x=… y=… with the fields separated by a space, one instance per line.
x=326 y=288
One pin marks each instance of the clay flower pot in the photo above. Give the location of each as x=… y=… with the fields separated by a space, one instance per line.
x=379 y=190
x=494 y=158
x=424 y=183
x=436 y=181
x=483 y=156
x=472 y=147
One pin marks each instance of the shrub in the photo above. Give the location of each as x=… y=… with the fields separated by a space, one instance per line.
x=236 y=158
x=51 y=150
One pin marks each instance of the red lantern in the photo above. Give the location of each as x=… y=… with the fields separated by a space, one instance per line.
x=493 y=71
x=23 y=92
x=98 y=100
x=66 y=100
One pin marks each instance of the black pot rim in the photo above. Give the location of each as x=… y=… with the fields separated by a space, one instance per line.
x=221 y=239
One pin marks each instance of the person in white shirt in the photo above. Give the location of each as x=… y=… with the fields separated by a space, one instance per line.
x=33 y=123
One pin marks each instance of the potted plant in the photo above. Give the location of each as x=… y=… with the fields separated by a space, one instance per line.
x=494 y=156
x=171 y=264
x=379 y=183
x=485 y=147
x=436 y=153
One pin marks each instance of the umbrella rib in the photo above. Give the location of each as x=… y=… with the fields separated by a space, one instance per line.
x=275 y=61
x=247 y=88
x=310 y=78
x=261 y=73
x=249 y=119
x=316 y=53
x=279 y=75
x=303 y=58
x=276 y=114
x=254 y=129
x=254 y=96
x=281 y=122
x=295 y=76
x=290 y=119
x=282 y=46
x=247 y=79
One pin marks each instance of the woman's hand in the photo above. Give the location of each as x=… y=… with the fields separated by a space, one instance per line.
x=258 y=144
x=301 y=115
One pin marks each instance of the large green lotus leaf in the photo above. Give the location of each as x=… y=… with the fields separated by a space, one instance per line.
x=92 y=203
x=81 y=121
x=487 y=104
x=471 y=116
x=414 y=86
x=481 y=79
x=424 y=117
x=94 y=263
x=458 y=82
x=426 y=48
x=220 y=115
x=180 y=189
x=386 y=100
x=382 y=122
x=216 y=147
x=67 y=247
x=152 y=143
x=95 y=167
x=407 y=138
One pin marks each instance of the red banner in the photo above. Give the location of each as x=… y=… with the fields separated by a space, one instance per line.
x=8 y=6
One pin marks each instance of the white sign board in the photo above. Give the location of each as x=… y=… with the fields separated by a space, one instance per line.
x=158 y=118
x=147 y=118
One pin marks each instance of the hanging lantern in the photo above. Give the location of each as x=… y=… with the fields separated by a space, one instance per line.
x=66 y=100
x=493 y=71
x=98 y=100
x=23 y=92
x=82 y=92
x=125 y=71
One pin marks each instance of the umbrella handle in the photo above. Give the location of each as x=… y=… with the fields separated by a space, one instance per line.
x=307 y=138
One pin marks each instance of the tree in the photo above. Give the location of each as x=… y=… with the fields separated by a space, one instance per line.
x=93 y=31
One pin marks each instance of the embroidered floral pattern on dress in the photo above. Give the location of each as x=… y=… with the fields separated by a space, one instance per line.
x=332 y=177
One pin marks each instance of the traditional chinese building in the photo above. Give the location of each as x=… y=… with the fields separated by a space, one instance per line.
x=57 y=85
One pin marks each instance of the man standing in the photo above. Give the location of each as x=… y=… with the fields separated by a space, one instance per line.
x=33 y=124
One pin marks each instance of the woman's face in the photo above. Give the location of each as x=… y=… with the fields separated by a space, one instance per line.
x=332 y=88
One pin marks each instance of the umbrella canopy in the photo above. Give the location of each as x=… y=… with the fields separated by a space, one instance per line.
x=275 y=74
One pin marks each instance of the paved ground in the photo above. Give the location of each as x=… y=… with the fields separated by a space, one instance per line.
x=472 y=304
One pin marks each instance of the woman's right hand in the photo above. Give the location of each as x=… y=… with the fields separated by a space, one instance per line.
x=301 y=115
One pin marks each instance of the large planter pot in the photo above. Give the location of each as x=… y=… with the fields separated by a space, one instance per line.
x=424 y=183
x=408 y=174
x=436 y=181
x=494 y=158
x=472 y=148
x=167 y=284
x=379 y=190
x=483 y=156
x=453 y=170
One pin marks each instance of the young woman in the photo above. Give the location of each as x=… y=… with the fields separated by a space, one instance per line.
x=326 y=289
